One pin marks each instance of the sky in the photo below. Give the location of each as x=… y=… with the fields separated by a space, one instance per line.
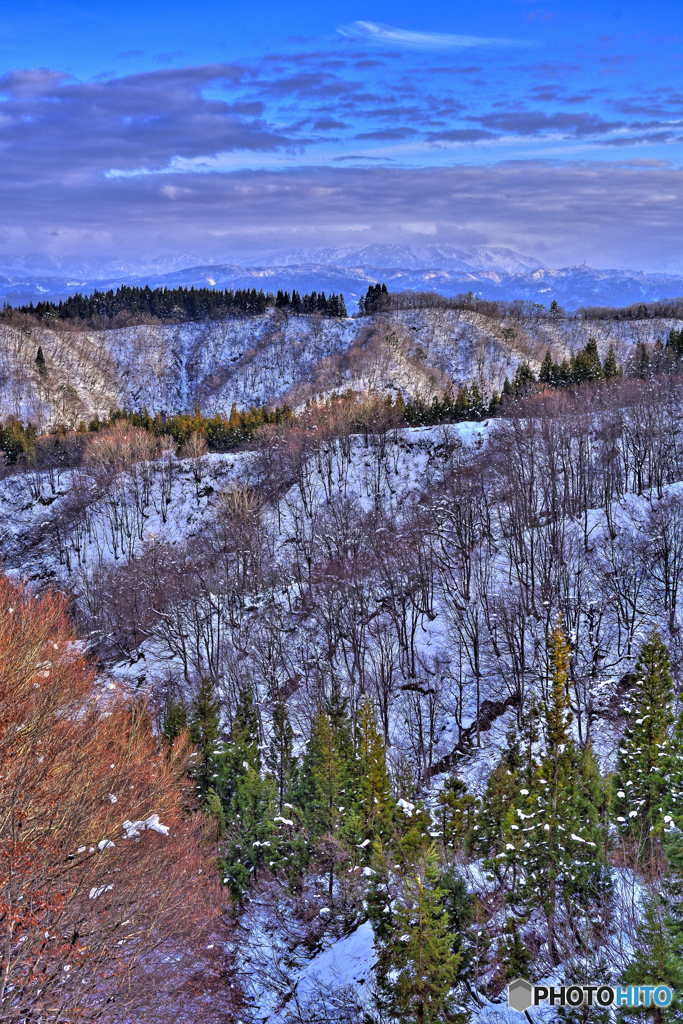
x=129 y=130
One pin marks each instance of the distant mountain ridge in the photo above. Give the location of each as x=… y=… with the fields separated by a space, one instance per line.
x=494 y=272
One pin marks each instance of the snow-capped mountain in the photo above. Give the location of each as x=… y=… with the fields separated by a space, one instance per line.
x=490 y=271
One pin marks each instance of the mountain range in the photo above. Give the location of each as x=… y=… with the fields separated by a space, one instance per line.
x=490 y=271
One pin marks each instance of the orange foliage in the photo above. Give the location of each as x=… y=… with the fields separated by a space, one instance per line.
x=107 y=899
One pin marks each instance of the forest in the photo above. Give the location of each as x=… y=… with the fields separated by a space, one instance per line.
x=401 y=683
x=143 y=305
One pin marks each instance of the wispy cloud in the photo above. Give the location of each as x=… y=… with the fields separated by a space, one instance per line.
x=371 y=31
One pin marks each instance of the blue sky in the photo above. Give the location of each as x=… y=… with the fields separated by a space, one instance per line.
x=131 y=129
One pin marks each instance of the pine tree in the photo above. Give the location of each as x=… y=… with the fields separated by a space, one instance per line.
x=40 y=362
x=610 y=367
x=658 y=960
x=280 y=759
x=455 y=809
x=416 y=967
x=175 y=721
x=586 y=364
x=205 y=731
x=649 y=775
x=373 y=802
x=524 y=377
x=323 y=794
x=551 y=833
x=545 y=375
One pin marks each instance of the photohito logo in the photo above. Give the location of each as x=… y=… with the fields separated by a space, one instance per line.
x=522 y=995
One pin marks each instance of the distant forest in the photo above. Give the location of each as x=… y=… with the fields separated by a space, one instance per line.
x=185 y=304
x=178 y=305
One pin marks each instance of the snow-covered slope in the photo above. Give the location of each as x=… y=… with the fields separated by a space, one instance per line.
x=280 y=358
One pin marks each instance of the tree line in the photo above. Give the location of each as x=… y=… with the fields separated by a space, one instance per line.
x=141 y=305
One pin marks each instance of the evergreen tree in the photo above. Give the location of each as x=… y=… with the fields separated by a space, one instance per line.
x=175 y=720
x=323 y=796
x=563 y=855
x=642 y=365
x=280 y=759
x=40 y=362
x=250 y=829
x=649 y=775
x=416 y=967
x=524 y=377
x=551 y=839
x=657 y=960
x=610 y=368
x=337 y=709
x=205 y=732
x=674 y=342
x=545 y=375
x=249 y=801
x=586 y=365
x=512 y=954
x=454 y=815
x=373 y=801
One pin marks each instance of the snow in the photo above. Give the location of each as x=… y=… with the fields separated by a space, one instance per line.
x=97 y=891
x=348 y=961
x=132 y=829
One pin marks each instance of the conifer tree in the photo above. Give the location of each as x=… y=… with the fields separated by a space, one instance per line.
x=175 y=720
x=280 y=759
x=586 y=364
x=323 y=776
x=416 y=966
x=249 y=801
x=454 y=815
x=524 y=377
x=205 y=731
x=562 y=856
x=657 y=960
x=649 y=775
x=373 y=802
x=512 y=953
x=546 y=804
x=40 y=362
x=326 y=804
x=337 y=709
x=610 y=367
x=545 y=375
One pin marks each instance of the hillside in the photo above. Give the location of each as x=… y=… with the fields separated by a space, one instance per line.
x=278 y=358
x=404 y=654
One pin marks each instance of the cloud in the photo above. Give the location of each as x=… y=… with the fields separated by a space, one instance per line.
x=326 y=124
x=375 y=32
x=388 y=135
x=461 y=135
x=529 y=122
x=58 y=129
x=566 y=213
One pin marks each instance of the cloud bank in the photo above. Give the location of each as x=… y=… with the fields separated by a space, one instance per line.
x=351 y=143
